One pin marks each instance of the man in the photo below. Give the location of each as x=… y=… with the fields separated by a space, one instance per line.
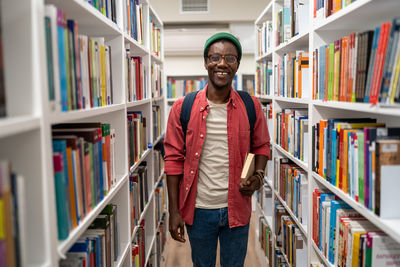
x=204 y=166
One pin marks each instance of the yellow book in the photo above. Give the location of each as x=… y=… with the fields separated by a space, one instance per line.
x=356 y=249
x=103 y=75
x=2 y=226
x=394 y=80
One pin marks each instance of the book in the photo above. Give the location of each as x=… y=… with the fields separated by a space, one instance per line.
x=248 y=167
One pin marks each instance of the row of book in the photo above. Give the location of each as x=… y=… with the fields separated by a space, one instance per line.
x=12 y=216
x=360 y=67
x=291 y=132
x=78 y=66
x=346 y=238
x=155 y=38
x=265 y=238
x=361 y=157
x=248 y=84
x=267 y=109
x=292 y=19
x=137 y=136
x=106 y=7
x=325 y=8
x=135 y=77
x=84 y=170
x=158 y=161
x=139 y=246
x=289 y=238
x=264 y=199
x=99 y=244
x=133 y=20
x=291 y=75
x=180 y=87
x=292 y=186
x=160 y=198
x=156 y=80
x=264 y=78
x=264 y=38
x=161 y=239
x=139 y=192
x=157 y=124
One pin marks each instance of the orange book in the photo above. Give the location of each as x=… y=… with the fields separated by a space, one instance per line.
x=322 y=126
x=344 y=69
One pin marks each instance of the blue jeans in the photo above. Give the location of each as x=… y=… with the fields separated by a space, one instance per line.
x=208 y=226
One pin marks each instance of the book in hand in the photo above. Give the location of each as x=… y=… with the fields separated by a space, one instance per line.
x=248 y=167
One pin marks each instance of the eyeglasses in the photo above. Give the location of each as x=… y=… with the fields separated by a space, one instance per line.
x=216 y=58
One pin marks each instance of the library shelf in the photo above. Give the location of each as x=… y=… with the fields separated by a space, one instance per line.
x=153 y=240
x=122 y=257
x=172 y=100
x=391 y=227
x=158 y=139
x=158 y=98
x=142 y=158
x=266 y=97
x=284 y=255
x=300 y=163
x=267 y=56
x=391 y=110
x=155 y=58
x=368 y=14
x=74 y=235
x=74 y=115
x=266 y=14
x=304 y=101
x=19 y=124
x=138 y=103
x=141 y=50
x=295 y=219
x=89 y=18
x=297 y=42
x=267 y=218
x=320 y=255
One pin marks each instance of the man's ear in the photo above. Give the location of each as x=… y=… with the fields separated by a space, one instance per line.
x=205 y=63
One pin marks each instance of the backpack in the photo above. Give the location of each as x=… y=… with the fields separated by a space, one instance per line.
x=188 y=103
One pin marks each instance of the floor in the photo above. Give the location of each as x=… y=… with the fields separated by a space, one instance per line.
x=178 y=254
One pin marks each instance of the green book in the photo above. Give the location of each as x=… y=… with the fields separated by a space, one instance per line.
x=49 y=54
x=330 y=70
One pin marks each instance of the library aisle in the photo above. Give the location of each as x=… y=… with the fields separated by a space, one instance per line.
x=178 y=254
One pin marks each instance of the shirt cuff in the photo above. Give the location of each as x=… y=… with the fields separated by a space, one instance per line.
x=173 y=167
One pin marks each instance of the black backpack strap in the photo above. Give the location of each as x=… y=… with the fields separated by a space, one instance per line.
x=251 y=110
x=186 y=110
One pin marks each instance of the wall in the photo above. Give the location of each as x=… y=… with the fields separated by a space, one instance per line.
x=226 y=11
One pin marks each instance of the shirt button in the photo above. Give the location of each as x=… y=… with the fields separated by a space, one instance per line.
x=197 y=154
x=201 y=108
x=191 y=172
x=204 y=117
x=187 y=188
x=201 y=135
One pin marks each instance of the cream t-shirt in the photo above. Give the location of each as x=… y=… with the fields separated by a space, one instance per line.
x=212 y=185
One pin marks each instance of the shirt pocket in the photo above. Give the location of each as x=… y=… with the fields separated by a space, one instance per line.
x=244 y=144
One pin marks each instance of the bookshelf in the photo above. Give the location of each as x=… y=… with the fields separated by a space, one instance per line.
x=272 y=46
x=26 y=132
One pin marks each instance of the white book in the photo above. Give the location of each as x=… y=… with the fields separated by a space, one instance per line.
x=304 y=200
x=303 y=17
x=112 y=157
x=390 y=197
x=385 y=251
x=51 y=12
x=83 y=40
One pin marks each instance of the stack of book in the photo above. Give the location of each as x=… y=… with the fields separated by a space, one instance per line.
x=78 y=66
x=106 y=7
x=135 y=78
x=354 y=155
x=265 y=238
x=133 y=20
x=156 y=80
x=264 y=38
x=291 y=75
x=267 y=108
x=157 y=125
x=155 y=38
x=292 y=132
x=292 y=19
x=160 y=201
x=346 y=238
x=264 y=198
x=138 y=247
x=360 y=67
x=84 y=170
x=12 y=216
x=99 y=244
x=325 y=8
x=158 y=162
x=161 y=238
x=264 y=78
x=137 y=136
x=180 y=87
x=139 y=192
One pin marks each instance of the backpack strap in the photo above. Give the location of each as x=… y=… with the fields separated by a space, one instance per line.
x=186 y=110
x=251 y=110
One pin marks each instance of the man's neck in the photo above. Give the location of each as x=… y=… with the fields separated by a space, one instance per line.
x=218 y=96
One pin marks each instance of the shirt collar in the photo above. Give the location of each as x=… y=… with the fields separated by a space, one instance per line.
x=233 y=98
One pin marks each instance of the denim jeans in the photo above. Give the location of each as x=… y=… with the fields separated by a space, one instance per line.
x=208 y=226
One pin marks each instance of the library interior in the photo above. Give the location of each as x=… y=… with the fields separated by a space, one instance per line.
x=94 y=166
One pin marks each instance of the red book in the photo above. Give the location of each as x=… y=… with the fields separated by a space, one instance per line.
x=344 y=69
x=380 y=59
x=316 y=196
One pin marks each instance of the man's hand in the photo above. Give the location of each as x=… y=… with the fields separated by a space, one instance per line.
x=177 y=226
x=252 y=184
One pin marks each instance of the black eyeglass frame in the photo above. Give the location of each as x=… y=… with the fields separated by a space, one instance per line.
x=223 y=57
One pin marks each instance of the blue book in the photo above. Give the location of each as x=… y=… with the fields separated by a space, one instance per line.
x=62 y=60
x=322 y=63
x=335 y=205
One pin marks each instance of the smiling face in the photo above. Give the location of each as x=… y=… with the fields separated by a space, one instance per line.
x=221 y=74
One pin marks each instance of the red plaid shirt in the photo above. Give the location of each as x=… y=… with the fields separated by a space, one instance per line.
x=238 y=127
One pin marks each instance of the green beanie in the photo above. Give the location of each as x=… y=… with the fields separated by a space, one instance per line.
x=220 y=36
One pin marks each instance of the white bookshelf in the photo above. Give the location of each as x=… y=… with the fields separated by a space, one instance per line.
x=25 y=133
x=359 y=16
